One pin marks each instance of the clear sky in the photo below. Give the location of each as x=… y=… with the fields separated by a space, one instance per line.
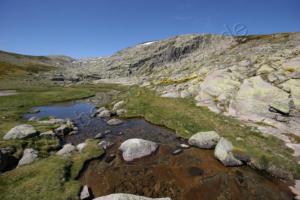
x=85 y=28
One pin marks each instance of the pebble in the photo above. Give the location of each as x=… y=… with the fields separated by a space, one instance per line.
x=99 y=136
x=184 y=146
x=177 y=151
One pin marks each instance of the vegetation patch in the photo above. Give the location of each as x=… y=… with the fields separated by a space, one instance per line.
x=43 y=179
x=90 y=152
x=177 y=81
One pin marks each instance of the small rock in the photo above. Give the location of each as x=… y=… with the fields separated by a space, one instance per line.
x=104 y=113
x=29 y=155
x=106 y=132
x=120 y=133
x=177 y=151
x=31 y=119
x=66 y=150
x=81 y=146
x=99 y=136
x=20 y=132
x=99 y=110
x=105 y=144
x=110 y=158
x=137 y=148
x=48 y=133
x=7 y=150
x=52 y=121
x=114 y=122
x=121 y=112
x=205 y=140
x=184 y=146
x=118 y=105
x=35 y=110
x=85 y=194
x=63 y=130
x=70 y=123
x=223 y=152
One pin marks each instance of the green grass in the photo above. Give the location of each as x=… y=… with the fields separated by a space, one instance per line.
x=91 y=151
x=50 y=177
x=186 y=119
x=43 y=179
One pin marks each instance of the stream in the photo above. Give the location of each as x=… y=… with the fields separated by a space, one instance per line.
x=194 y=174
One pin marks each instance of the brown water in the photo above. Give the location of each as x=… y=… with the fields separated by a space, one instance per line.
x=192 y=175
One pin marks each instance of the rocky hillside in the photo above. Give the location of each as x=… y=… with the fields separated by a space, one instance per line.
x=254 y=78
x=24 y=60
x=12 y=64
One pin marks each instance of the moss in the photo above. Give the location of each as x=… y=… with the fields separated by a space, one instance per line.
x=290 y=69
x=43 y=179
x=177 y=81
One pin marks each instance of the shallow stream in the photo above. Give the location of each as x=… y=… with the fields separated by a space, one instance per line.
x=193 y=174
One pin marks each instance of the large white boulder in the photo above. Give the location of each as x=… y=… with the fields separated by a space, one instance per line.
x=20 y=132
x=137 y=148
x=122 y=196
x=205 y=140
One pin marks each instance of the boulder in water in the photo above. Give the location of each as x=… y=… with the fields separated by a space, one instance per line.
x=137 y=148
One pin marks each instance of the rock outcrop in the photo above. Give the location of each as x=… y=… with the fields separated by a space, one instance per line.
x=256 y=97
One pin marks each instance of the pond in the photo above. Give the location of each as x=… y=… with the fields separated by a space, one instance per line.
x=192 y=174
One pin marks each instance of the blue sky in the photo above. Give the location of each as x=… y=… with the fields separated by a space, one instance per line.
x=85 y=28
